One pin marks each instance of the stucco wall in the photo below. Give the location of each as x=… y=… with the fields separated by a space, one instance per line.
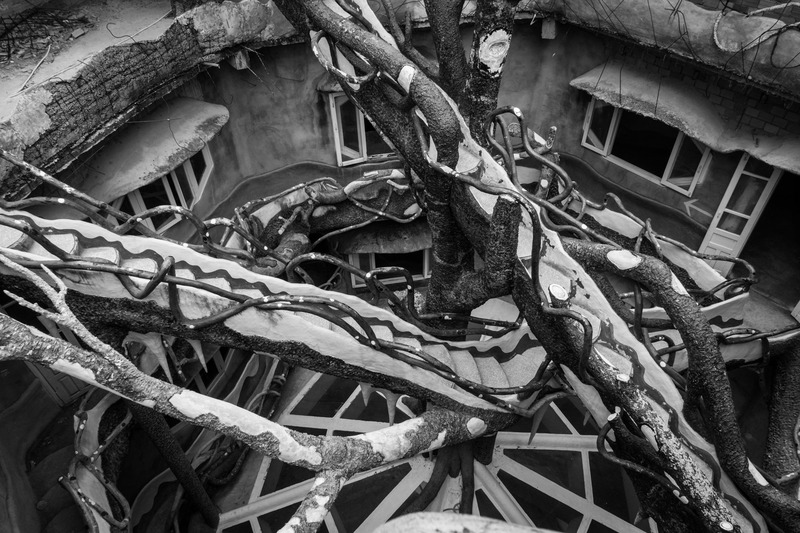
x=537 y=76
x=536 y=79
x=277 y=118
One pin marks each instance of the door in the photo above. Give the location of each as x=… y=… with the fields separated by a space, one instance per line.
x=738 y=212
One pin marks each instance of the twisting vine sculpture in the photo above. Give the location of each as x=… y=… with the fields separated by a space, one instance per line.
x=545 y=245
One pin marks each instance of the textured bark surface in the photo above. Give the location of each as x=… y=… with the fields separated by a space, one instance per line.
x=491 y=41
x=471 y=204
x=51 y=124
x=781 y=455
x=348 y=455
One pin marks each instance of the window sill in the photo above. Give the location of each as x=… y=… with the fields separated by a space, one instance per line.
x=633 y=169
x=377 y=158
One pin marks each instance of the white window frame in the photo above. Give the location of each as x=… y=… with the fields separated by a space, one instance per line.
x=357 y=283
x=197 y=185
x=662 y=180
x=335 y=102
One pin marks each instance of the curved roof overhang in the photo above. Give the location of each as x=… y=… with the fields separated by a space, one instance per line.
x=685 y=108
x=149 y=146
x=386 y=238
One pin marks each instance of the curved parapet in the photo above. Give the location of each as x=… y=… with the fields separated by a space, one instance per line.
x=364 y=340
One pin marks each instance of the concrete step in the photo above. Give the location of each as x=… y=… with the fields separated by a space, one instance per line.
x=521 y=368
x=465 y=365
x=492 y=373
x=382 y=332
x=435 y=350
x=66 y=241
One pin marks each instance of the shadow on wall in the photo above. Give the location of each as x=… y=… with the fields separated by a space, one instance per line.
x=665 y=220
x=277 y=181
x=774 y=246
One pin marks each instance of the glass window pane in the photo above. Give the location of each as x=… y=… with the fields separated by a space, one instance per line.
x=613 y=490
x=602 y=113
x=486 y=507
x=544 y=510
x=562 y=467
x=412 y=261
x=375 y=143
x=578 y=416
x=551 y=423
x=686 y=164
x=361 y=261
x=375 y=411
x=758 y=168
x=153 y=195
x=597 y=527
x=644 y=142
x=326 y=396
x=277 y=519
x=198 y=162
x=733 y=223
x=239 y=528
x=746 y=194
x=185 y=186
x=348 y=127
x=126 y=207
x=359 y=499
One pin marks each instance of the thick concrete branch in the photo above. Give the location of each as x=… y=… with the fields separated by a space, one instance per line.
x=707 y=375
x=491 y=42
x=52 y=123
x=430 y=431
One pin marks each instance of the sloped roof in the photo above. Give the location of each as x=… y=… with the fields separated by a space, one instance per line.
x=685 y=108
x=148 y=147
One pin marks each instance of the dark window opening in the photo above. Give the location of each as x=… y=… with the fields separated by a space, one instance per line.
x=644 y=143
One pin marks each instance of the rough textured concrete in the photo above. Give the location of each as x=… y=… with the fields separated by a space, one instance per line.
x=66 y=113
x=147 y=149
x=682 y=107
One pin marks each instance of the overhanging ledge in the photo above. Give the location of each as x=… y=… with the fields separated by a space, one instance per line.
x=385 y=238
x=685 y=108
x=148 y=147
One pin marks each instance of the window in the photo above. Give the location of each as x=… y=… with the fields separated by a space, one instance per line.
x=645 y=146
x=182 y=187
x=554 y=479
x=417 y=263
x=356 y=139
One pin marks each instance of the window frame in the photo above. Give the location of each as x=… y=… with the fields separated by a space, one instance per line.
x=335 y=102
x=357 y=283
x=662 y=180
x=171 y=185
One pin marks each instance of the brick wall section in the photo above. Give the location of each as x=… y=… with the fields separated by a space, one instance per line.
x=741 y=106
x=790 y=14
